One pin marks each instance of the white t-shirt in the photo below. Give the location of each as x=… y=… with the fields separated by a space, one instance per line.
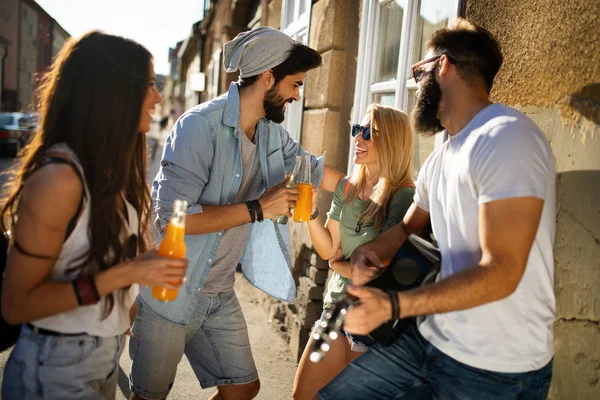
x=500 y=154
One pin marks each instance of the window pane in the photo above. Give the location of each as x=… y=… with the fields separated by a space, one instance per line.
x=386 y=99
x=433 y=15
x=388 y=40
x=290 y=17
x=302 y=7
x=423 y=144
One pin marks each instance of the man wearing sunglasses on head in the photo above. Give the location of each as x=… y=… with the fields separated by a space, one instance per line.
x=485 y=328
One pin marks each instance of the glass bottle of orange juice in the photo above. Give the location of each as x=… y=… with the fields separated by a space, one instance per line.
x=303 y=184
x=173 y=245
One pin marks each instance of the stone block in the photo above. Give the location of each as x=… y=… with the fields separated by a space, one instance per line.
x=321 y=131
x=329 y=25
x=325 y=85
x=308 y=290
x=318 y=276
x=298 y=339
x=577 y=276
x=274 y=14
x=576 y=372
x=309 y=313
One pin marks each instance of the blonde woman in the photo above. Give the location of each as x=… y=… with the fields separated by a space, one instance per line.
x=373 y=199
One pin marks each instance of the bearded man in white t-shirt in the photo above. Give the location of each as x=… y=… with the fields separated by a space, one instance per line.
x=485 y=328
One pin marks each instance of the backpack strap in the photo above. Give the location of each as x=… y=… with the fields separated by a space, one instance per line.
x=409 y=184
x=347 y=187
x=57 y=159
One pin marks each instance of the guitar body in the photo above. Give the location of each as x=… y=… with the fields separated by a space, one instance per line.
x=417 y=262
x=408 y=269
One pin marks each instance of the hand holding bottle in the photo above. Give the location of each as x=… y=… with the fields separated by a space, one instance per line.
x=278 y=201
x=150 y=269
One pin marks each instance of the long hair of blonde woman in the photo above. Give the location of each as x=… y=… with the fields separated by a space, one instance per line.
x=393 y=139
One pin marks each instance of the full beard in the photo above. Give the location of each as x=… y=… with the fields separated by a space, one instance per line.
x=424 y=116
x=274 y=106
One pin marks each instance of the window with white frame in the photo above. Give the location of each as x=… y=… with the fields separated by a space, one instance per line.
x=392 y=38
x=295 y=22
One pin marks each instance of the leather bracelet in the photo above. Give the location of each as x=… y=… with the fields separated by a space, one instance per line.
x=85 y=290
x=251 y=211
x=259 y=212
x=315 y=215
x=395 y=305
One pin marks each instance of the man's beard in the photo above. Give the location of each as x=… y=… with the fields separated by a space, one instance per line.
x=274 y=105
x=424 y=116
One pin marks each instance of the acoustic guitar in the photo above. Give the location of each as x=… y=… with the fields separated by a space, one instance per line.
x=416 y=262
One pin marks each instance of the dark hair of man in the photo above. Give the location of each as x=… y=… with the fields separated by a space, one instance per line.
x=91 y=99
x=301 y=59
x=475 y=49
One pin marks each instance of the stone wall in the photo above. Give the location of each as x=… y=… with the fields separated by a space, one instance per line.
x=552 y=73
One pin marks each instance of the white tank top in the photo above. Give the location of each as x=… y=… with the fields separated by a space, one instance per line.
x=89 y=319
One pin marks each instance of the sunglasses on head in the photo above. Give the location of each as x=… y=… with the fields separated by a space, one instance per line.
x=366 y=131
x=418 y=70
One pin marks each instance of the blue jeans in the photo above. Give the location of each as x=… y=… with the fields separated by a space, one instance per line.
x=78 y=367
x=412 y=368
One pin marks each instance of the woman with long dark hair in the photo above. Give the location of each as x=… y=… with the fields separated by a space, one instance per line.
x=77 y=209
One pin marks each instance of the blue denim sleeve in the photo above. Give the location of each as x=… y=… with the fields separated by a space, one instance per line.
x=185 y=167
x=291 y=149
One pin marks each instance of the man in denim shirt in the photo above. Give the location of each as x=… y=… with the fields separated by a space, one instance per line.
x=220 y=155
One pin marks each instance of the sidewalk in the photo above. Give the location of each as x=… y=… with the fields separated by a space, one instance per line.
x=274 y=361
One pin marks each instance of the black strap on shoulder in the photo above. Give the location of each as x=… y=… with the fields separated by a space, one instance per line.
x=73 y=221
x=58 y=160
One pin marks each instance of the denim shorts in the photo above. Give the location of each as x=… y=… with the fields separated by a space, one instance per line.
x=358 y=343
x=411 y=368
x=80 y=367
x=215 y=342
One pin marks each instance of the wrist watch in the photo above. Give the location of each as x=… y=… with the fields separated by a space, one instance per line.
x=315 y=215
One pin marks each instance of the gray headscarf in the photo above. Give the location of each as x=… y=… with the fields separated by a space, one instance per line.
x=256 y=51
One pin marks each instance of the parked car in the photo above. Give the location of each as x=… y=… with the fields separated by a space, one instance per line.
x=16 y=130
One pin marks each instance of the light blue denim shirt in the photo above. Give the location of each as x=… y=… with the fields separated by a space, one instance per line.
x=201 y=163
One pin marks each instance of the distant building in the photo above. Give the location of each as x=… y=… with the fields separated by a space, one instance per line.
x=31 y=39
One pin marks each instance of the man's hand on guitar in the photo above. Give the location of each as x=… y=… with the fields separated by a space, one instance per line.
x=372 y=309
x=365 y=265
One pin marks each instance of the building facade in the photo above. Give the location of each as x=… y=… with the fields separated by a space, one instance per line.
x=30 y=39
x=9 y=32
x=551 y=72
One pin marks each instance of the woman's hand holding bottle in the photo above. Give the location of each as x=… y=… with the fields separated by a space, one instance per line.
x=150 y=269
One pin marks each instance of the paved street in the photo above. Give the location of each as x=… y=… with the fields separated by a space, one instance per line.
x=275 y=363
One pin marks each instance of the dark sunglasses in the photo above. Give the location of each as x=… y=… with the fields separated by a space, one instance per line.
x=366 y=131
x=418 y=70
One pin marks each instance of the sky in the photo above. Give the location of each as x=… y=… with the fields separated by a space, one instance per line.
x=156 y=24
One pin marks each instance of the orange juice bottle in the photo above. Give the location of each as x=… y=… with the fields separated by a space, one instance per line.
x=304 y=186
x=172 y=245
x=304 y=204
